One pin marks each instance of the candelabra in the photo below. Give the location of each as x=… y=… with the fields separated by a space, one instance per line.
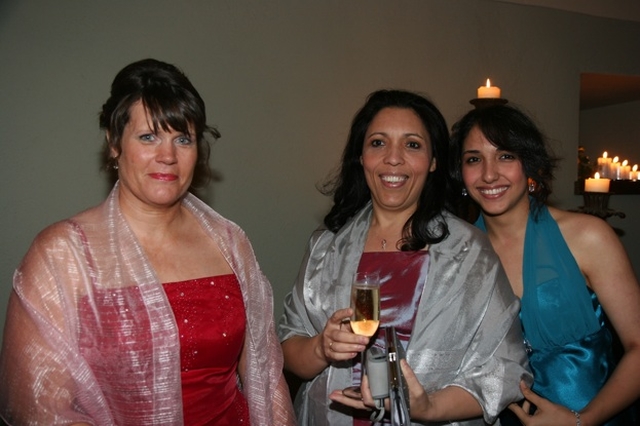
x=480 y=103
x=597 y=204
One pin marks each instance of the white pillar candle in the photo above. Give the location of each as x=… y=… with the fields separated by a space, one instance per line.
x=488 y=91
x=596 y=184
x=604 y=165
x=615 y=169
x=626 y=170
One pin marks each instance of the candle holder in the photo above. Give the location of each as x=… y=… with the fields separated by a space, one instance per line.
x=480 y=103
x=597 y=204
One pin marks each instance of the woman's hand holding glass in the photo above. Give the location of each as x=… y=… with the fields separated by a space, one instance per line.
x=348 y=331
x=337 y=342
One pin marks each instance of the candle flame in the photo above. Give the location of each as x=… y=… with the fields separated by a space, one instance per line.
x=488 y=83
x=635 y=167
x=604 y=154
x=624 y=163
x=596 y=176
x=615 y=159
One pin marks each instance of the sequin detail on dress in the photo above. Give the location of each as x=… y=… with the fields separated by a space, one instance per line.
x=211 y=323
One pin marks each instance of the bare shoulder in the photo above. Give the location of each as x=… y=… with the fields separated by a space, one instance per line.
x=594 y=243
x=583 y=230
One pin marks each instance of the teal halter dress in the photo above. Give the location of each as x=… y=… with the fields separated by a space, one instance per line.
x=568 y=344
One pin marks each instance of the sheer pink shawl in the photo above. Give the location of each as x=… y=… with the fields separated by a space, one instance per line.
x=123 y=371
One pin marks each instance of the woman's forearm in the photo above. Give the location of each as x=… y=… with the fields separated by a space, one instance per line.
x=450 y=403
x=622 y=389
x=303 y=356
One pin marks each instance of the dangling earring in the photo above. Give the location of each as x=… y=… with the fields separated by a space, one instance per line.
x=532 y=185
x=464 y=192
x=115 y=166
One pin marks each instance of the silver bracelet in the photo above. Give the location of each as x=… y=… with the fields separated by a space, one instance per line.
x=578 y=422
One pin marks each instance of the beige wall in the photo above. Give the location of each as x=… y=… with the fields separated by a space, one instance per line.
x=282 y=80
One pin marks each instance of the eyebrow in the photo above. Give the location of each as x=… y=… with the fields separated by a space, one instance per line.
x=417 y=135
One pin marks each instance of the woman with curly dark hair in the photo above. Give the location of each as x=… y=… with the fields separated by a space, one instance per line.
x=351 y=192
x=443 y=289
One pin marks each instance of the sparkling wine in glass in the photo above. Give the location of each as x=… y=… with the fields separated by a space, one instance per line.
x=365 y=302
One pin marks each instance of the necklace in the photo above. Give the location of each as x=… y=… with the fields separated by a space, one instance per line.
x=384 y=244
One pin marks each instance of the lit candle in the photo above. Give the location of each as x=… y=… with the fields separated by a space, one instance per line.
x=635 y=174
x=604 y=165
x=615 y=169
x=488 y=91
x=626 y=170
x=596 y=184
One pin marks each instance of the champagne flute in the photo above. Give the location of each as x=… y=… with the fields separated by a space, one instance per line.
x=365 y=303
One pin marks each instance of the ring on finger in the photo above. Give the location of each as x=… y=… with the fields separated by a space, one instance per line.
x=330 y=345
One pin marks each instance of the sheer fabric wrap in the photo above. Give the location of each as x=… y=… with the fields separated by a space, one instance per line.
x=466 y=331
x=120 y=364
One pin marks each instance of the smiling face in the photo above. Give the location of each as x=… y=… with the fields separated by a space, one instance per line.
x=154 y=168
x=494 y=178
x=397 y=159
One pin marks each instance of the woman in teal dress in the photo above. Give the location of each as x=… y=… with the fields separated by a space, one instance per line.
x=569 y=269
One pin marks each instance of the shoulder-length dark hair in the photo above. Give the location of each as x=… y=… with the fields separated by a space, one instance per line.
x=509 y=129
x=171 y=102
x=349 y=187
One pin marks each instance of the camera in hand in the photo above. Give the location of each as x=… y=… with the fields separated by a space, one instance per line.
x=386 y=380
x=377 y=372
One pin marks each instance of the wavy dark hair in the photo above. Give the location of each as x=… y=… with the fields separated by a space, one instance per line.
x=349 y=187
x=508 y=129
x=171 y=102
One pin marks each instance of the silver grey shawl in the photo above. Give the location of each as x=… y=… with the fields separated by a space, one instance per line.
x=466 y=332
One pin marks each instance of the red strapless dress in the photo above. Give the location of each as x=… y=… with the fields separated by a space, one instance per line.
x=211 y=322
